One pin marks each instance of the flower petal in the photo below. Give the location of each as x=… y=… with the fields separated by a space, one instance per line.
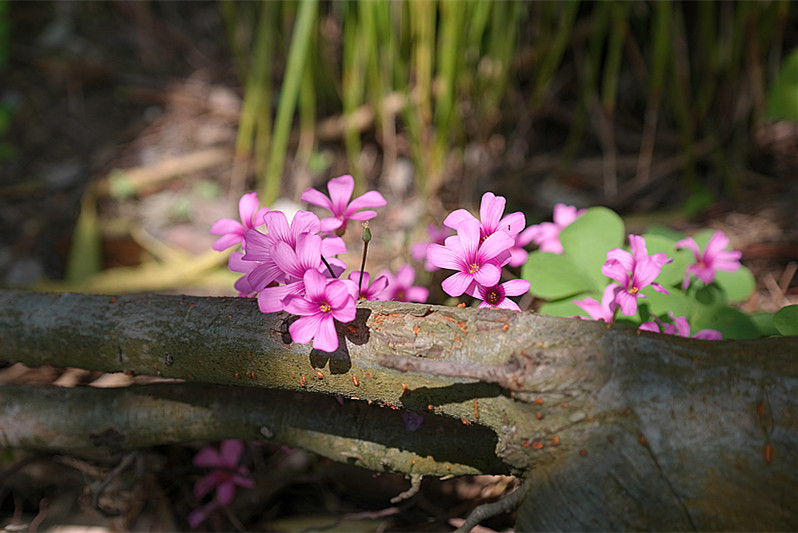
x=491 y=209
x=457 y=217
x=362 y=215
x=314 y=197
x=247 y=207
x=614 y=270
x=495 y=244
x=224 y=226
x=305 y=329
x=488 y=274
x=627 y=303
x=326 y=338
x=270 y=299
x=516 y=287
x=226 y=241
x=230 y=452
x=457 y=283
x=225 y=493
x=340 y=192
x=444 y=257
x=513 y=223
x=207 y=457
x=370 y=199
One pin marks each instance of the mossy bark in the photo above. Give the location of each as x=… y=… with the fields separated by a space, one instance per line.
x=615 y=428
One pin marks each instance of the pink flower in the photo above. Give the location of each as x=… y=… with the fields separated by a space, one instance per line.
x=418 y=251
x=231 y=231
x=601 y=311
x=491 y=209
x=236 y=264
x=496 y=296
x=547 y=234
x=474 y=262
x=292 y=263
x=343 y=210
x=400 y=287
x=261 y=246
x=633 y=272
x=369 y=291
x=681 y=328
x=226 y=474
x=714 y=258
x=324 y=301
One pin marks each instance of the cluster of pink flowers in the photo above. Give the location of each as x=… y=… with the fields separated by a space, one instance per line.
x=637 y=270
x=479 y=251
x=293 y=266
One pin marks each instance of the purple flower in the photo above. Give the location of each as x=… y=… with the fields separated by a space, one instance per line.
x=601 y=311
x=226 y=474
x=681 y=328
x=474 y=262
x=343 y=210
x=496 y=295
x=634 y=271
x=547 y=234
x=418 y=251
x=369 y=291
x=714 y=258
x=324 y=301
x=231 y=231
x=400 y=287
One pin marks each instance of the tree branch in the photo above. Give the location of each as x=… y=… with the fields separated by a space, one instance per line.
x=622 y=429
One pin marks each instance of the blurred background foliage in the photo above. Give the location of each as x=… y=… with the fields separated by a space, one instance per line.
x=440 y=74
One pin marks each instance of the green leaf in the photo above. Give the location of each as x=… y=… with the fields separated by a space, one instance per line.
x=786 y=320
x=782 y=101
x=738 y=285
x=732 y=323
x=660 y=304
x=764 y=323
x=588 y=239
x=554 y=276
x=565 y=308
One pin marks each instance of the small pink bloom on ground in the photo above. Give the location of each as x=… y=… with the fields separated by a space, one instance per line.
x=497 y=295
x=491 y=211
x=679 y=327
x=634 y=271
x=547 y=234
x=343 y=210
x=714 y=258
x=369 y=291
x=325 y=300
x=400 y=287
x=232 y=231
x=601 y=311
x=474 y=262
x=226 y=474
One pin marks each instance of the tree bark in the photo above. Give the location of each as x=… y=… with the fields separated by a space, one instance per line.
x=616 y=428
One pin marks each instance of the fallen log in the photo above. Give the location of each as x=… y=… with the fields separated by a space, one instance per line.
x=613 y=428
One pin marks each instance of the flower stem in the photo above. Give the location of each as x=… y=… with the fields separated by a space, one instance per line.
x=328 y=266
x=366 y=236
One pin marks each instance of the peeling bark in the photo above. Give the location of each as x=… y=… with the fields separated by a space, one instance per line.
x=618 y=429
